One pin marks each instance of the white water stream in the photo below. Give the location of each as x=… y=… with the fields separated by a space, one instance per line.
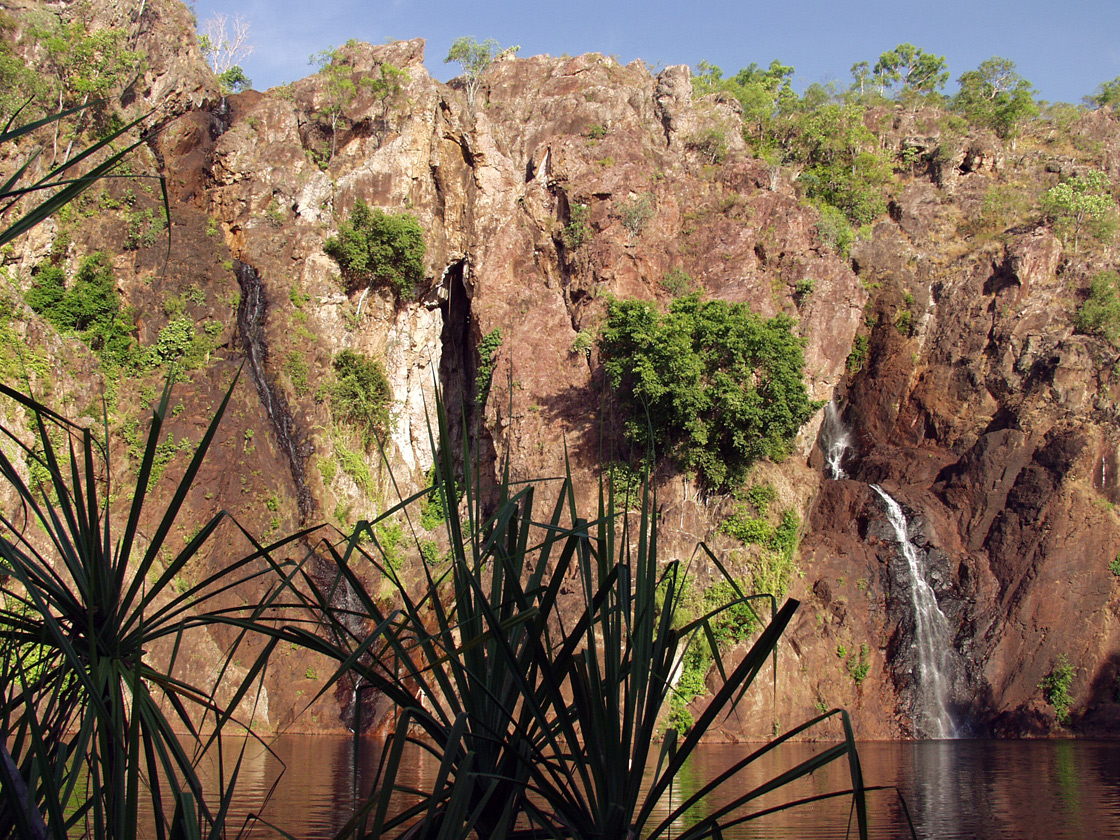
x=931 y=635
x=835 y=441
x=931 y=629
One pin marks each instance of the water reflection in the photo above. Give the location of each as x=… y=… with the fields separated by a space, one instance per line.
x=996 y=790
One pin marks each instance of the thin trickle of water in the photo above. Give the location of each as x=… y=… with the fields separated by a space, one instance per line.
x=931 y=635
x=835 y=442
x=250 y=326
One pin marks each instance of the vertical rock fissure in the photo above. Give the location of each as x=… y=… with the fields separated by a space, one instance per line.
x=458 y=370
x=251 y=314
x=456 y=365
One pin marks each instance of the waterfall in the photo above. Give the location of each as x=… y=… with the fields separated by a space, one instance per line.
x=250 y=327
x=835 y=442
x=931 y=635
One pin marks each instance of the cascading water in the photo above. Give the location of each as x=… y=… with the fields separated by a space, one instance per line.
x=835 y=442
x=931 y=635
x=250 y=327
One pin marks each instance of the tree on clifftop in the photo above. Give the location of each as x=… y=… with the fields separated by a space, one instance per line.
x=915 y=70
x=225 y=45
x=475 y=58
x=995 y=96
x=1107 y=95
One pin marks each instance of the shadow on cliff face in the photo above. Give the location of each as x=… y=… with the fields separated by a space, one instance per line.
x=458 y=373
x=1102 y=712
x=593 y=423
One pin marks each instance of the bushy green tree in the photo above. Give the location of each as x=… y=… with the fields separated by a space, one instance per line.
x=763 y=93
x=711 y=383
x=475 y=57
x=1055 y=688
x=1100 y=313
x=1106 y=95
x=842 y=163
x=375 y=248
x=911 y=69
x=995 y=96
x=234 y=80
x=1082 y=206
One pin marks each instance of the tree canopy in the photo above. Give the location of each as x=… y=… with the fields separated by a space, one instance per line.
x=912 y=69
x=1082 y=205
x=375 y=248
x=711 y=383
x=475 y=57
x=995 y=96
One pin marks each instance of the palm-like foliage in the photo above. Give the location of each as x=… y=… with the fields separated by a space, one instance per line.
x=66 y=181
x=85 y=715
x=543 y=712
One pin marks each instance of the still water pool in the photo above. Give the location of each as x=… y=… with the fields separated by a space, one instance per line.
x=971 y=790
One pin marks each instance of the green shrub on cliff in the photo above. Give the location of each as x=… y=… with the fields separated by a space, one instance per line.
x=712 y=383
x=1055 y=688
x=361 y=395
x=1100 y=313
x=1082 y=206
x=88 y=307
x=995 y=96
x=375 y=248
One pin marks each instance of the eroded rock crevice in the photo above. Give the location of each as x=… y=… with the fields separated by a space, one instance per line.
x=251 y=315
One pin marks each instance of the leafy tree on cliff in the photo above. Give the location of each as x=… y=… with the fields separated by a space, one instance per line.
x=386 y=87
x=339 y=90
x=912 y=69
x=709 y=382
x=1082 y=205
x=1107 y=95
x=225 y=44
x=843 y=165
x=762 y=93
x=995 y=96
x=475 y=58
x=375 y=248
x=83 y=66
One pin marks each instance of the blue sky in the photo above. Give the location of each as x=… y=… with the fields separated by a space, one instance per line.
x=1064 y=49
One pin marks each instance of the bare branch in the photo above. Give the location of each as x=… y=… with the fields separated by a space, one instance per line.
x=224 y=43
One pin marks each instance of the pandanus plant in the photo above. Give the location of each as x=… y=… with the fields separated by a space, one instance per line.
x=89 y=715
x=535 y=665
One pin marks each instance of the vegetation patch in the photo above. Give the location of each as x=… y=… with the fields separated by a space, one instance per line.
x=754 y=522
x=726 y=627
x=487 y=359
x=1055 y=688
x=711 y=383
x=1100 y=313
x=360 y=395
x=378 y=249
x=433 y=511
x=88 y=307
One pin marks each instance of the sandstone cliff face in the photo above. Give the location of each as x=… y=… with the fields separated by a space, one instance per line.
x=991 y=422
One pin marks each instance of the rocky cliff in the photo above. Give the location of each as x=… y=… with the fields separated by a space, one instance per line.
x=980 y=410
